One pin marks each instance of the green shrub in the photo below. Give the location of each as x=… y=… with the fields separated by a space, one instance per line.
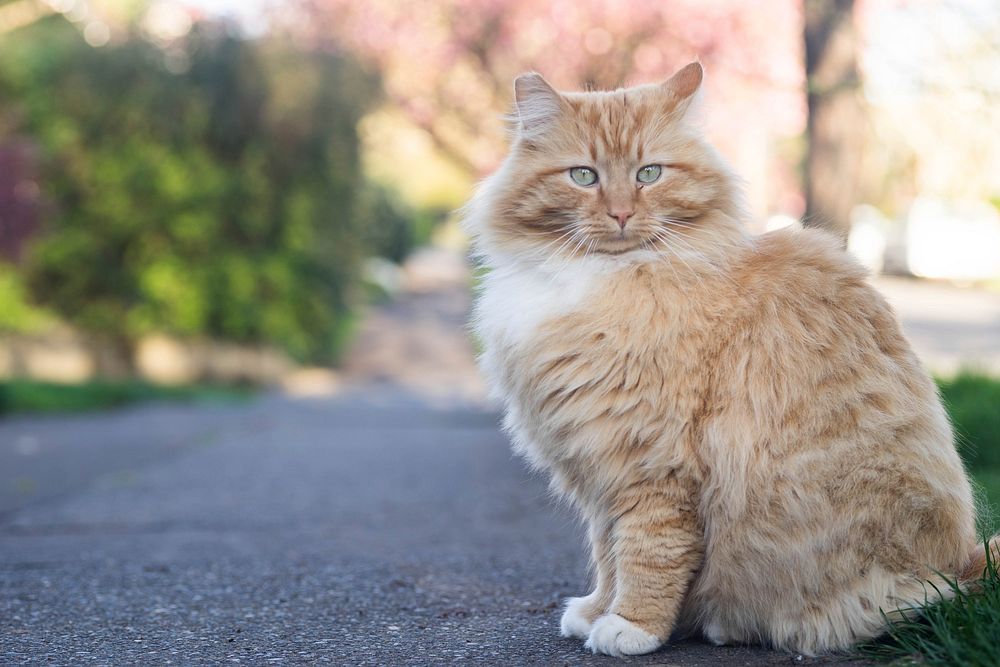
x=973 y=401
x=35 y=396
x=17 y=314
x=388 y=230
x=217 y=201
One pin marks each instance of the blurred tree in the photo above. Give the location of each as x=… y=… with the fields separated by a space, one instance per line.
x=208 y=190
x=449 y=64
x=20 y=201
x=836 y=122
x=931 y=79
x=395 y=232
x=15 y=14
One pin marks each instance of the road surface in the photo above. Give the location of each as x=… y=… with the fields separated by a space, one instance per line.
x=387 y=524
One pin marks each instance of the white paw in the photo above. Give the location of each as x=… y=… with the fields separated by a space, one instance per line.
x=714 y=633
x=574 y=623
x=613 y=635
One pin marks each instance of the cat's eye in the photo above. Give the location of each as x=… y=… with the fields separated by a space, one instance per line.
x=649 y=174
x=583 y=176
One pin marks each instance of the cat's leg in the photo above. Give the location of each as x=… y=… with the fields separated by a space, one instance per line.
x=581 y=612
x=657 y=546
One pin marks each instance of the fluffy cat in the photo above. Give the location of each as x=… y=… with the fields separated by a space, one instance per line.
x=757 y=452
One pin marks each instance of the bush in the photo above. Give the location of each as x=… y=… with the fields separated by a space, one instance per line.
x=973 y=402
x=218 y=201
x=389 y=230
x=17 y=396
x=17 y=314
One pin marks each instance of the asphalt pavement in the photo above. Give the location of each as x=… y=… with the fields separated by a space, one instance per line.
x=386 y=524
x=366 y=529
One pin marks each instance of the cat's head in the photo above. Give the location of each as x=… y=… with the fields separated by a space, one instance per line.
x=606 y=173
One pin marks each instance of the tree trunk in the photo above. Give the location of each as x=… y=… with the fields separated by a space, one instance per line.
x=835 y=127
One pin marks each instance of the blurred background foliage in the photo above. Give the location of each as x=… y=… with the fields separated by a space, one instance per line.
x=210 y=192
x=223 y=169
x=248 y=173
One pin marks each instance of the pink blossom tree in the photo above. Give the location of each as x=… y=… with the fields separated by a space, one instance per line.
x=448 y=64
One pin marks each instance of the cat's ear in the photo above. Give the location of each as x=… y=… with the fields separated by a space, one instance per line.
x=538 y=104
x=683 y=87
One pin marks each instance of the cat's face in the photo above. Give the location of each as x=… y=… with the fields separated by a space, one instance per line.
x=607 y=172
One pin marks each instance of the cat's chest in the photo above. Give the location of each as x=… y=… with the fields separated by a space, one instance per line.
x=517 y=302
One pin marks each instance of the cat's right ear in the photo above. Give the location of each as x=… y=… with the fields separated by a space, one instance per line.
x=538 y=104
x=684 y=88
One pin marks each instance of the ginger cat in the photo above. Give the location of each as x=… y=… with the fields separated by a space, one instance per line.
x=756 y=450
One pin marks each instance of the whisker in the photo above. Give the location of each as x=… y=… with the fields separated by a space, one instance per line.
x=575 y=232
x=541 y=251
x=680 y=222
x=676 y=237
x=569 y=231
x=581 y=238
x=668 y=252
x=669 y=222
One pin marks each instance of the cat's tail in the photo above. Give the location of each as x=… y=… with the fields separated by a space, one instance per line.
x=980 y=560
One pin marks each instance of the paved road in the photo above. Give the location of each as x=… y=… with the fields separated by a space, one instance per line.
x=385 y=525
x=363 y=530
x=950 y=328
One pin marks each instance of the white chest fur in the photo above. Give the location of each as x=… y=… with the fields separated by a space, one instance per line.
x=519 y=297
x=516 y=300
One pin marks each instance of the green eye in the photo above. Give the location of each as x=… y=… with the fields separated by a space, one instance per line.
x=583 y=176
x=649 y=174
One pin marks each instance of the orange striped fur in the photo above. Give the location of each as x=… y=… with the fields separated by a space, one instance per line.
x=756 y=450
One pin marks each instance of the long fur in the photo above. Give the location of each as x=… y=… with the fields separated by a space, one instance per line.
x=757 y=451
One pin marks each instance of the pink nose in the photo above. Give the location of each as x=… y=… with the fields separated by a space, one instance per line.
x=621 y=216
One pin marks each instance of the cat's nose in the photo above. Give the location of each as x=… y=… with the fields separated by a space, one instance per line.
x=621 y=216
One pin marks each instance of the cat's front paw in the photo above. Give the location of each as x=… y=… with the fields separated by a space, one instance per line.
x=613 y=635
x=576 y=620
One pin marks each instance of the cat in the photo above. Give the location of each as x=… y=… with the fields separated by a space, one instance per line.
x=756 y=451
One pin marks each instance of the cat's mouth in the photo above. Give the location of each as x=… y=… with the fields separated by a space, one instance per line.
x=619 y=242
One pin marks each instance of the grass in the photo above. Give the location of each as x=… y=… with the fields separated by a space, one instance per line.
x=962 y=630
x=24 y=396
x=965 y=629
x=973 y=401
x=988 y=482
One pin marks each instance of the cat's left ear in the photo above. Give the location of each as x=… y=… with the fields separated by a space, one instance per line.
x=684 y=87
x=538 y=104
